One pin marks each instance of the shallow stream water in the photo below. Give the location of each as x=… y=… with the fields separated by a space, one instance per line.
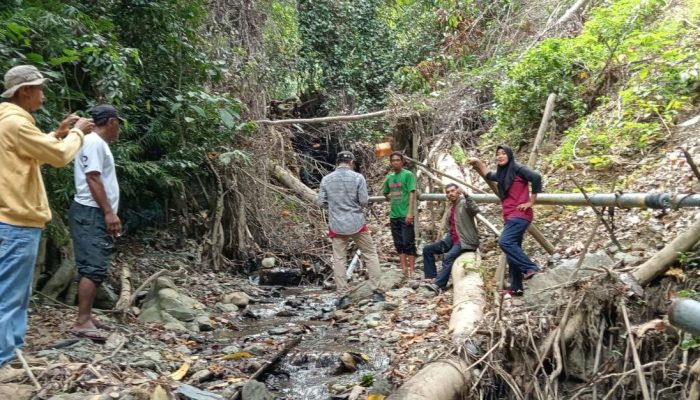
x=307 y=371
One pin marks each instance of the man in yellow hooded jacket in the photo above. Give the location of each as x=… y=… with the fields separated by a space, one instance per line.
x=24 y=207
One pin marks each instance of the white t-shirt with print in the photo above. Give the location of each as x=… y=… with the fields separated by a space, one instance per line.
x=95 y=156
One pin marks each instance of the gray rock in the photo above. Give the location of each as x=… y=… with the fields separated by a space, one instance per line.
x=400 y=293
x=393 y=337
x=422 y=323
x=373 y=317
x=628 y=259
x=175 y=304
x=202 y=376
x=255 y=349
x=175 y=326
x=188 y=392
x=240 y=299
x=537 y=289
x=230 y=349
x=105 y=298
x=269 y=262
x=204 y=323
x=380 y=386
x=172 y=308
x=183 y=349
x=382 y=306
x=255 y=390
x=150 y=314
x=226 y=308
x=67 y=396
x=279 y=276
x=152 y=355
x=279 y=331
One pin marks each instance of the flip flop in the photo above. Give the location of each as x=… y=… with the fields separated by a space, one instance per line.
x=96 y=335
x=103 y=326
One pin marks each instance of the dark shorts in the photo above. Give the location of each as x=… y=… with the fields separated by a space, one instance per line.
x=404 y=236
x=91 y=244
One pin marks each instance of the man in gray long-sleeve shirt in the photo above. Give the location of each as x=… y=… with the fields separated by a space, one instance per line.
x=344 y=193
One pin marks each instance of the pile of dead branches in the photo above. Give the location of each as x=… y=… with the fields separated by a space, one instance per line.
x=592 y=340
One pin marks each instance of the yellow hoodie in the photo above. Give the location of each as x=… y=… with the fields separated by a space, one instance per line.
x=23 y=149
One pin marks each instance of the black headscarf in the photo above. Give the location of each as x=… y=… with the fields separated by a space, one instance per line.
x=505 y=175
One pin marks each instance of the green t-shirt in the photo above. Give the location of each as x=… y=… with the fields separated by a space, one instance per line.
x=398 y=186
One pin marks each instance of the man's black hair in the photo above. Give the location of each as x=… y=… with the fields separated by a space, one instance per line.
x=397 y=153
x=451 y=184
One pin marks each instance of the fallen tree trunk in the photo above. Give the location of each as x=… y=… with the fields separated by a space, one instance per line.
x=292 y=182
x=658 y=264
x=468 y=297
x=446 y=379
x=339 y=118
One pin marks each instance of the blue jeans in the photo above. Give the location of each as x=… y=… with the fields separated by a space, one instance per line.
x=18 y=250
x=450 y=251
x=511 y=242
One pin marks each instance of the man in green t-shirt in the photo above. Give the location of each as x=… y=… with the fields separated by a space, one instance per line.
x=400 y=191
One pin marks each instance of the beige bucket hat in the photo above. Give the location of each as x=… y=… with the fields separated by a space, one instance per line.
x=22 y=75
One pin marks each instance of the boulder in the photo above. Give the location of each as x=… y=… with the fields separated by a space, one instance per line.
x=391 y=278
x=188 y=392
x=269 y=262
x=226 y=308
x=105 y=298
x=254 y=390
x=240 y=299
x=537 y=289
x=281 y=276
x=177 y=311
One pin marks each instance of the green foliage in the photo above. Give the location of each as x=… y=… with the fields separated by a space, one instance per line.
x=146 y=56
x=346 y=47
x=691 y=343
x=662 y=63
x=282 y=45
x=573 y=68
x=367 y=380
x=446 y=36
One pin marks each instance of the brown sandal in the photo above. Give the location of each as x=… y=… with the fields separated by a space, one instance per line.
x=96 y=335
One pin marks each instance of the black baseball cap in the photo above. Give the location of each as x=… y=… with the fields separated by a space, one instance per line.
x=102 y=113
x=345 y=156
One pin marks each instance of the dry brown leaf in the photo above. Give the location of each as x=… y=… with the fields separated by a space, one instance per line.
x=676 y=273
x=159 y=394
x=237 y=355
x=180 y=373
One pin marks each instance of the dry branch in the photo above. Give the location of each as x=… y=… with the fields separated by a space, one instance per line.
x=692 y=164
x=610 y=230
x=28 y=370
x=124 y=302
x=340 y=118
x=548 y=109
x=635 y=355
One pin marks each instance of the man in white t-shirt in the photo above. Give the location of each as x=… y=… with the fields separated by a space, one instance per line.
x=93 y=216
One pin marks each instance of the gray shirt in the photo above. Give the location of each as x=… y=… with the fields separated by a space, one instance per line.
x=344 y=193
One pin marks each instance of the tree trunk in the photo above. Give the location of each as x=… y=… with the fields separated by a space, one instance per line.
x=446 y=379
x=292 y=182
x=658 y=264
x=64 y=275
x=468 y=297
